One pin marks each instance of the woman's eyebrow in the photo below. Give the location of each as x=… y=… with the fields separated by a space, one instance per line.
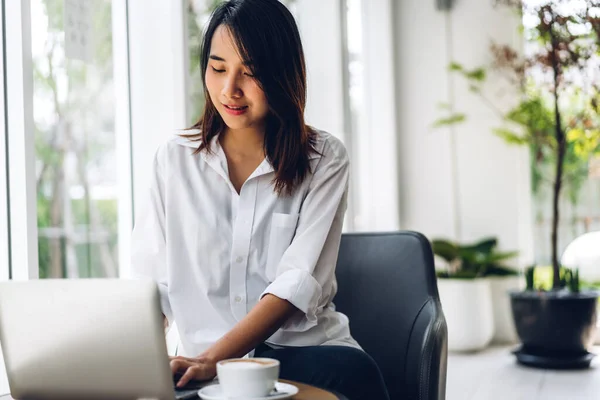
x=217 y=58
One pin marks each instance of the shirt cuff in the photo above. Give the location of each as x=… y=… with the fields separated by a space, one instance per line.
x=302 y=290
x=165 y=305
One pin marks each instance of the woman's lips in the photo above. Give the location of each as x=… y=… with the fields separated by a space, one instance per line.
x=235 y=110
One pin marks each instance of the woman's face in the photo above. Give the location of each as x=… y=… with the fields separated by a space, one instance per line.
x=235 y=93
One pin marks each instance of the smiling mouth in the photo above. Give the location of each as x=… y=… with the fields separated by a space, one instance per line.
x=235 y=108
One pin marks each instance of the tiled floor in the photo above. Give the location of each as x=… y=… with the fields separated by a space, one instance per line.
x=493 y=374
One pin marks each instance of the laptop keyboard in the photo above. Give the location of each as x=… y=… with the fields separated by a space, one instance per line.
x=181 y=394
x=189 y=391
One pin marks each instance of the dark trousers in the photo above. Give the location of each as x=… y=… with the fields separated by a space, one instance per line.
x=345 y=370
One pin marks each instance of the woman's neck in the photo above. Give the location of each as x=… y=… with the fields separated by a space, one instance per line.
x=243 y=142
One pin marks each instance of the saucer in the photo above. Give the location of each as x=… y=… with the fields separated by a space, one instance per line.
x=282 y=391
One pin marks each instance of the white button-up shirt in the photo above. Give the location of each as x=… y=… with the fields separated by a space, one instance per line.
x=214 y=253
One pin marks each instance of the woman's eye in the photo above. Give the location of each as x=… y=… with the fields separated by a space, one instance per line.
x=218 y=71
x=249 y=74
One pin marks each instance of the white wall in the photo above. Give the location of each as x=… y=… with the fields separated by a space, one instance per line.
x=157 y=78
x=463 y=182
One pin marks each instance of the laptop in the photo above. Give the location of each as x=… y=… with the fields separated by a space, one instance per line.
x=86 y=338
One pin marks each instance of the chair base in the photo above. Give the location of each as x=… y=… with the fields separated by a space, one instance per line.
x=574 y=361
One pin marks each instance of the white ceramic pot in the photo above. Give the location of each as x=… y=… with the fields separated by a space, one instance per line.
x=584 y=253
x=467 y=306
x=504 y=325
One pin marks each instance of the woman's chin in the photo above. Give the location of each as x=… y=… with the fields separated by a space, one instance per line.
x=236 y=127
x=237 y=124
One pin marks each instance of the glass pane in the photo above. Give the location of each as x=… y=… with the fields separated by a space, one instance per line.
x=356 y=116
x=74 y=117
x=198 y=12
x=580 y=195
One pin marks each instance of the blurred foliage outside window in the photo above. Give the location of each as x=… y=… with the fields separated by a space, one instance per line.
x=73 y=104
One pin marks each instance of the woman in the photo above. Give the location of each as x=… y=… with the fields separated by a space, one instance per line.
x=243 y=220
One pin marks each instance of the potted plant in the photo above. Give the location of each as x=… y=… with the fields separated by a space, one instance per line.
x=469 y=299
x=503 y=281
x=558 y=117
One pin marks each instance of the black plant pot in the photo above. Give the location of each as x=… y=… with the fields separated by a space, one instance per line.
x=556 y=328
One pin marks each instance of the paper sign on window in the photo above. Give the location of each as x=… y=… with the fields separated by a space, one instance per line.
x=78 y=24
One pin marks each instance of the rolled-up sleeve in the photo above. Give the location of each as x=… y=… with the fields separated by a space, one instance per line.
x=306 y=272
x=148 y=244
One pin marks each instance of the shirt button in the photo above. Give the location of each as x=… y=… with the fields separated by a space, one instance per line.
x=239 y=259
x=238 y=299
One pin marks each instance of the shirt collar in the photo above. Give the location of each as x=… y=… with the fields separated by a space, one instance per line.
x=217 y=160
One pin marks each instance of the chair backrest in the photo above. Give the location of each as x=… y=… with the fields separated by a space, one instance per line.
x=387 y=288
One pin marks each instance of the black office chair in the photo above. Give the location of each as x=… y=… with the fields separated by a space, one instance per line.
x=387 y=287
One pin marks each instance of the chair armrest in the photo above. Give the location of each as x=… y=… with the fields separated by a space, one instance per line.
x=427 y=354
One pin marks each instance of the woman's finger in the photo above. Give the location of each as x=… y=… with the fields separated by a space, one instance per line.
x=193 y=372
x=179 y=365
x=183 y=358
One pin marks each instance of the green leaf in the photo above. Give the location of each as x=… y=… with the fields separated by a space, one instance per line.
x=457 y=275
x=454 y=66
x=586 y=142
x=498 y=270
x=478 y=74
x=530 y=277
x=445 y=249
x=475 y=260
x=451 y=120
x=496 y=257
x=511 y=137
x=574 y=135
x=483 y=246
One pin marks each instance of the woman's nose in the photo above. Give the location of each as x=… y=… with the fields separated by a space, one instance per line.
x=231 y=88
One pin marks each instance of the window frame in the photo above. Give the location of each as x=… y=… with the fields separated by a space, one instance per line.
x=123 y=132
x=20 y=146
x=5 y=266
x=18 y=215
x=4 y=205
x=20 y=187
x=375 y=148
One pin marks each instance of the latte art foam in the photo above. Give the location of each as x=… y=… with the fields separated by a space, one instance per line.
x=246 y=364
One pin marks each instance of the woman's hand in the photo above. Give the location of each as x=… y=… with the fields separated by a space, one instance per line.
x=199 y=368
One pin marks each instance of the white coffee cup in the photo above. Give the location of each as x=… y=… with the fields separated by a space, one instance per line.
x=247 y=377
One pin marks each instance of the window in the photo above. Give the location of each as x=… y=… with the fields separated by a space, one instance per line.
x=355 y=111
x=64 y=120
x=75 y=140
x=197 y=14
x=369 y=114
x=580 y=196
x=580 y=213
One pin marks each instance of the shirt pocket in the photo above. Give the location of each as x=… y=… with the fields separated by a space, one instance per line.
x=283 y=228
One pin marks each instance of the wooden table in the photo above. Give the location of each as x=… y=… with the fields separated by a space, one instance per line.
x=307 y=392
